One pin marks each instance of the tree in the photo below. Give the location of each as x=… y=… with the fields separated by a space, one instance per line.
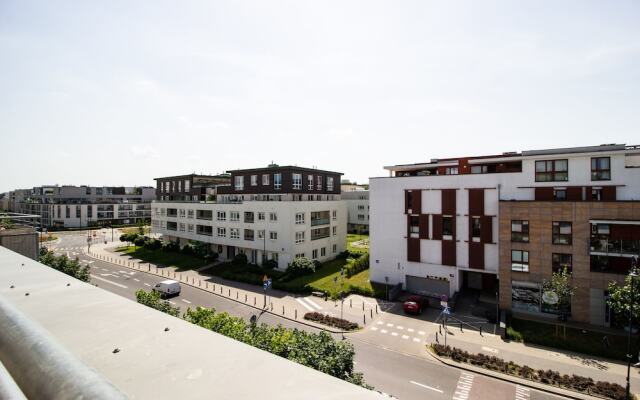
x=560 y=285
x=6 y=224
x=624 y=299
x=140 y=227
x=65 y=265
x=152 y=299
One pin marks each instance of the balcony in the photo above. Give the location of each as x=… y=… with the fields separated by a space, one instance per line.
x=204 y=214
x=172 y=226
x=172 y=212
x=204 y=230
x=320 y=218
x=614 y=247
x=320 y=233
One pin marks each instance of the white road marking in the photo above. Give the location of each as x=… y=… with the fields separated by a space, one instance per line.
x=108 y=281
x=186 y=301
x=390 y=325
x=136 y=279
x=115 y=276
x=522 y=393
x=489 y=349
x=420 y=332
x=410 y=329
x=172 y=302
x=405 y=337
x=383 y=331
x=465 y=382
x=104 y=269
x=313 y=304
x=146 y=284
x=415 y=339
x=379 y=322
x=89 y=262
x=425 y=386
x=373 y=328
x=299 y=300
x=394 y=333
x=400 y=327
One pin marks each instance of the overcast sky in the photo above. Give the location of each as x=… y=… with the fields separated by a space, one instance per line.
x=117 y=93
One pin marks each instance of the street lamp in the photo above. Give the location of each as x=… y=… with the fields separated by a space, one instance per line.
x=633 y=274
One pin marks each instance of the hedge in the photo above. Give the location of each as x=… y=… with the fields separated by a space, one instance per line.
x=331 y=321
x=356 y=265
x=574 y=382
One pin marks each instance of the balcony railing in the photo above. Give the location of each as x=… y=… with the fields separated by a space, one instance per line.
x=615 y=246
x=320 y=221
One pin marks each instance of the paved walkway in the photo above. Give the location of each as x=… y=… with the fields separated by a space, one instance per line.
x=359 y=309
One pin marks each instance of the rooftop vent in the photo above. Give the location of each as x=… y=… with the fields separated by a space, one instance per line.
x=434 y=160
x=509 y=153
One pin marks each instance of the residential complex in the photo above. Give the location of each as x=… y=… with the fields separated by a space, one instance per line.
x=506 y=222
x=357 y=202
x=79 y=206
x=276 y=213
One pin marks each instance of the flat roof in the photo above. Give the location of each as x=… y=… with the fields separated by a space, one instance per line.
x=284 y=167
x=185 y=362
x=221 y=176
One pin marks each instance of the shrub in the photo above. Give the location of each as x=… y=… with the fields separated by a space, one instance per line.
x=317 y=264
x=129 y=237
x=331 y=321
x=270 y=264
x=187 y=249
x=300 y=266
x=152 y=299
x=356 y=265
x=240 y=259
x=139 y=240
x=65 y=265
x=514 y=334
x=152 y=244
x=171 y=246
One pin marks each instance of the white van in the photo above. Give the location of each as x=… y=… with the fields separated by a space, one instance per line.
x=167 y=288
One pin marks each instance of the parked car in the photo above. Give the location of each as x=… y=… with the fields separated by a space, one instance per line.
x=415 y=305
x=167 y=288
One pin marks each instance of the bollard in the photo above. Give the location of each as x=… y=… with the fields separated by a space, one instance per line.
x=199 y=283
x=376 y=308
x=363 y=305
x=437 y=341
x=271 y=306
x=350 y=303
x=220 y=289
x=206 y=285
x=229 y=293
x=460 y=326
x=364 y=319
x=237 y=294
x=254 y=300
x=282 y=310
x=296 y=313
x=440 y=329
x=213 y=287
x=245 y=297
x=371 y=313
x=480 y=330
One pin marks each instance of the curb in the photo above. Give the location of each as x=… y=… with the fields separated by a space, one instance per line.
x=262 y=310
x=541 y=387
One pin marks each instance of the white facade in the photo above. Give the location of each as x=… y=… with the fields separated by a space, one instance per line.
x=287 y=225
x=357 y=209
x=388 y=224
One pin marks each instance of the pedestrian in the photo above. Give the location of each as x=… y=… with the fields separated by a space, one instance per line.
x=605 y=341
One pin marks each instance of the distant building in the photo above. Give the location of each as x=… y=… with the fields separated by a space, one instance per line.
x=18 y=233
x=506 y=222
x=357 y=202
x=277 y=213
x=191 y=187
x=353 y=187
x=80 y=206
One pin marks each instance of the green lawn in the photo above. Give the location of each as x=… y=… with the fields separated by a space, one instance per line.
x=170 y=259
x=354 y=238
x=590 y=342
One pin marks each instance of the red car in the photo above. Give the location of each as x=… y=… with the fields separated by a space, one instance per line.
x=415 y=305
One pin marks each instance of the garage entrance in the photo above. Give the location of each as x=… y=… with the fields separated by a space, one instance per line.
x=426 y=286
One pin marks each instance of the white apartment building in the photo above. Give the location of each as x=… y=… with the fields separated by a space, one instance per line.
x=275 y=213
x=436 y=226
x=357 y=210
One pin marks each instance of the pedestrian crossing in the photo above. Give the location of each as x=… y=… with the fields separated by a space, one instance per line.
x=308 y=304
x=465 y=383
x=522 y=393
x=402 y=334
x=67 y=248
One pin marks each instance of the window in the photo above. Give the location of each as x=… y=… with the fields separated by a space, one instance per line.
x=334 y=230
x=310 y=182
x=334 y=215
x=296 y=180
x=330 y=183
x=475 y=228
x=323 y=252
x=600 y=169
x=189 y=213
x=261 y=216
x=273 y=235
x=552 y=171
x=222 y=216
x=181 y=227
x=451 y=171
x=360 y=207
x=560 y=194
x=254 y=180
x=235 y=216
x=182 y=213
x=314 y=254
x=334 y=248
x=596 y=194
x=90 y=211
x=190 y=227
x=299 y=255
x=560 y=262
x=265 y=180
x=179 y=186
x=447 y=226
x=561 y=232
x=248 y=217
x=319 y=182
x=360 y=217
x=277 y=181
x=261 y=234
x=300 y=237
x=187 y=185
x=222 y=232
x=248 y=234
x=68 y=211
x=519 y=230
x=77 y=211
x=520 y=260
x=414 y=224
x=273 y=217
x=234 y=233
x=239 y=182
x=479 y=169
x=299 y=218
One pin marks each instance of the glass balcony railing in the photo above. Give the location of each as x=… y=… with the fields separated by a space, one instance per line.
x=615 y=246
x=320 y=221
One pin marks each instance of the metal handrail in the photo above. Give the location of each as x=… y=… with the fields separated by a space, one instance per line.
x=41 y=367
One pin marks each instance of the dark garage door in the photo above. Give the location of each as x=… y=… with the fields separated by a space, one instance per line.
x=426 y=286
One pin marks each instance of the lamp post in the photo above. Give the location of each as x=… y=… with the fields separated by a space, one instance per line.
x=633 y=274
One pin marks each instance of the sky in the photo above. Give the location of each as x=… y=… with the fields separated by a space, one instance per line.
x=121 y=92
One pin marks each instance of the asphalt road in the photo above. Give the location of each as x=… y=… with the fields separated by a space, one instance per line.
x=399 y=374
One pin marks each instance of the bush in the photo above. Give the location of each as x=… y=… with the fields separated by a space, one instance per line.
x=139 y=241
x=270 y=264
x=331 y=321
x=317 y=264
x=356 y=265
x=574 y=382
x=152 y=244
x=514 y=334
x=152 y=299
x=171 y=246
x=240 y=259
x=129 y=237
x=187 y=249
x=301 y=266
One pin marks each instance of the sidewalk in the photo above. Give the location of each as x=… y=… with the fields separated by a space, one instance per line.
x=361 y=310
x=538 y=357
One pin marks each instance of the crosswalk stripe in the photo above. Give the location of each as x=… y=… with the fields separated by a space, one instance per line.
x=299 y=300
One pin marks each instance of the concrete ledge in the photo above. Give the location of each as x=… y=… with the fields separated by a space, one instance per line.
x=513 y=379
